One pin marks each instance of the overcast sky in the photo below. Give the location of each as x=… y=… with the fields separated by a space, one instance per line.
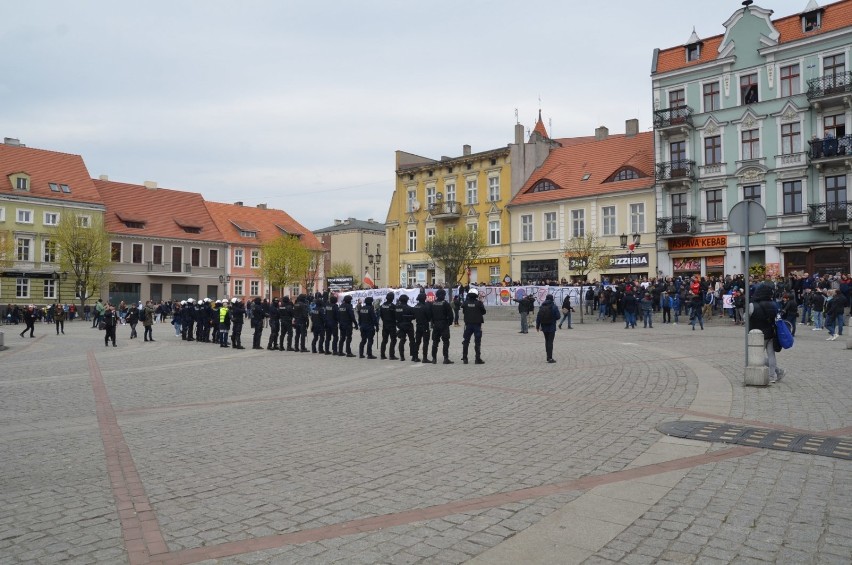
x=301 y=105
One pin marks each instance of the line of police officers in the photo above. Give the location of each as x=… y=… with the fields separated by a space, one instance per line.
x=332 y=324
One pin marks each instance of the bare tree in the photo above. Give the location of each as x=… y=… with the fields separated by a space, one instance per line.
x=84 y=251
x=454 y=251
x=584 y=255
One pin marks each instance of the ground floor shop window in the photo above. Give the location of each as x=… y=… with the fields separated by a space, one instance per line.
x=540 y=270
x=185 y=291
x=130 y=293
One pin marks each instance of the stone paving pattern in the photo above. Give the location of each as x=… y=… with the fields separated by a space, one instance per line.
x=240 y=448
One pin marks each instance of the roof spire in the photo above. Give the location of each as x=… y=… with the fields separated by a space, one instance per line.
x=693 y=39
x=539 y=127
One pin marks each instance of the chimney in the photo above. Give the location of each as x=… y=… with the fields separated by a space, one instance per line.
x=465 y=149
x=337 y=222
x=519 y=134
x=150 y=184
x=239 y=203
x=262 y=206
x=103 y=177
x=631 y=127
x=371 y=220
x=12 y=141
x=601 y=133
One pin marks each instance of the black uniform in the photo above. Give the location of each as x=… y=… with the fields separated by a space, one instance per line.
x=347 y=322
x=285 y=316
x=442 y=318
x=422 y=316
x=368 y=322
x=318 y=324
x=238 y=312
x=332 y=320
x=388 y=317
x=258 y=313
x=404 y=315
x=300 y=319
x=188 y=319
x=474 y=317
x=274 y=325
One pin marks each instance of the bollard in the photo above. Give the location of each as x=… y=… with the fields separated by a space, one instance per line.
x=1 y=340
x=756 y=373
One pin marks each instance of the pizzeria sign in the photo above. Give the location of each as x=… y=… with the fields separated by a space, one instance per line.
x=707 y=242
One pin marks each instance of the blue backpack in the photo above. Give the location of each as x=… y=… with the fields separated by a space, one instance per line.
x=782 y=332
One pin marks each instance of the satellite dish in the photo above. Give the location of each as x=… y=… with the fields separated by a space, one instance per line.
x=439 y=196
x=415 y=205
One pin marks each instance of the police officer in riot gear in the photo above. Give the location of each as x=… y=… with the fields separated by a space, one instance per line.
x=405 y=327
x=257 y=315
x=285 y=316
x=347 y=322
x=318 y=324
x=332 y=321
x=474 y=316
x=387 y=315
x=368 y=322
x=301 y=316
x=442 y=318
x=422 y=315
x=274 y=325
x=238 y=312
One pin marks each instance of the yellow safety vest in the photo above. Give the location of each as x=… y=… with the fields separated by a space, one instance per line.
x=222 y=313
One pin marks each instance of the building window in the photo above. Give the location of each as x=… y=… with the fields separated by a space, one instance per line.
x=214 y=259
x=751 y=144
x=626 y=174
x=49 y=289
x=835 y=126
x=22 y=183
x=494 y=232
x=471 y=192
x=238 y=288
x=412 y=240
x=136 y=253
x=451 y=191
x=239 y=259
x=25 y=216
x=2 y=214
x=835 y=195
x=677 y=98
x=412 y=198
x=195 y=257
x=430 y=196
x=49 y=251
x=494 y=275
x=51 y=219
x=22 y=288
x=472 y=228
x=254 y=288
x=677 y=151
x=791 y=136
x=493 y=189
x=711 y=96
x=65 y=188
x=714 y=205
x=713 y=150
x=834 y=69
x=137 y=225
x=637 y=217
x=157 y=255
x=578 y=223
x=811 y=21
x=679 y=205
x=243 y=233
x=23 y=249
x=527 y=227
x=255 y=258
x=748 y=89
x=430 y=234
x=550 y=225
x=84 y=221
x=790 y=80
x=792 y=197
x=693 y=52
x=543 y=186
x=608 y=220
x=115 y=252
x=752 y=192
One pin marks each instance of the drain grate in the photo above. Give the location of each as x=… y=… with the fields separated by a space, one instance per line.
x=827 y=446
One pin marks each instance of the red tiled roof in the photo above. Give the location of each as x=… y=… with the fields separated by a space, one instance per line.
x=46 y=167
x=567 y=165
x=834 y=17
x=267 y=222
x=164 y=212
x=539 y=126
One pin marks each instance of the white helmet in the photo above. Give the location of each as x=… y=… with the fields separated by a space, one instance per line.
x=183 y=302
x=190 y=300
x=234 y=300
x=473 y=291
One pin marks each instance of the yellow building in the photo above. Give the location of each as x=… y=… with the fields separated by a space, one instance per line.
x=453 y=193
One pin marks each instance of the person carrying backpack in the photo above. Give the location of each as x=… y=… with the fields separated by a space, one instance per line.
x=545 y=322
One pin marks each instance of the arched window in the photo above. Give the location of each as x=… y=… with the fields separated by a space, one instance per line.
x=627 y=173
x=543 y=186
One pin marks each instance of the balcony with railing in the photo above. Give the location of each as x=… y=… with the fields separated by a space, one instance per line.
x=445 y=210
x=840 y=212
x=677 y=225
x=169 y=268
x=682 y=171
x=830 y=88
x=678 y=117
x=830 y=150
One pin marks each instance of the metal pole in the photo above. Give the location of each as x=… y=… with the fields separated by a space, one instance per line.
x=747 y=285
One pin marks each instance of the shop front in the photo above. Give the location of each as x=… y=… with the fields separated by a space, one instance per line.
x=486 y=270
x=818 y=260
x=419 y=274
x=539 y=270
x=628 y=266
x=704 y=255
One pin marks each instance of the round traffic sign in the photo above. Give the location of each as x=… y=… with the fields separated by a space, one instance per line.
x=747 y=217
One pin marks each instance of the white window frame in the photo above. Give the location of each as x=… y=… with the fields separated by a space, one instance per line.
x=551 y=226
x=412 y=241
x=50 y=216
x=254 y=288
x=22 y=287
x=239 y=286
x=412 y=198
x=494 y=232
x=28 y=247
x=471 y=192
x=450 y=189
x=494 y=189
x=45 y=246
x=527 y=227
x=84 y=221
x=494 y=275
x=609 y=222
x=2 y=213
x=578 y=223
x=431 y=196
x=430 y=234
x=472 y=227
x=239 y=257
x=637 y=217
x=255 y=258
x=24 y=216
x=49 y=289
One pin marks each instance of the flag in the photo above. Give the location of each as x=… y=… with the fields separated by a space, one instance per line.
x=367 y=280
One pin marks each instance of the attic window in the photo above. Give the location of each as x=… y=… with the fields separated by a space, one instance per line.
x=693 y=52
x=245 y=233
x=65 y=188
x=587 y=176
x=191 y=229
x=812 y=21
x=53 y=186
x=22 y=183
x=135 y=225
x=543 y=186
x=626 y=173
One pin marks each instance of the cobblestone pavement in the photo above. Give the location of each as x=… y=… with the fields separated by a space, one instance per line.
x=174 y=452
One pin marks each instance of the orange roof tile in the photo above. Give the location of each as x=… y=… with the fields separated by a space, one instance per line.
x=566 y=166
x=45 y=167
x=164 y=212
x=539 y=126
x=269 y=224
x=835 y=16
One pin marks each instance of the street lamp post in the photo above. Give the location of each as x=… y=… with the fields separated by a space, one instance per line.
x=630 y=248
x=225 y=280
x=374 y=261
x=59 y=277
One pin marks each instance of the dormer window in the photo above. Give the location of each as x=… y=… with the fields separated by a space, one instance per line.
x=626 y=173
x=244 y=233
x=812 y=21
x=693 y=52
x=191 y=229
x=543 y=186
x=22 y=183
x=135 y=225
